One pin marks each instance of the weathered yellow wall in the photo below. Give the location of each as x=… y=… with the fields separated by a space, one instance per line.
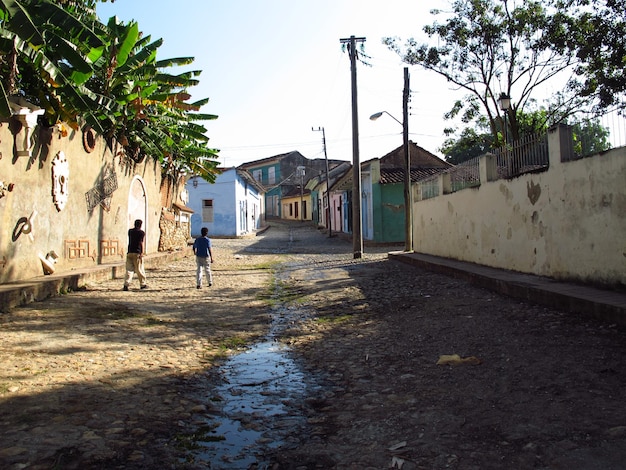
x=567 y=223
x=100 y=234
x=306 y=199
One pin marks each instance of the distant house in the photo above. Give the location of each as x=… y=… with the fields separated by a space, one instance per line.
x=283 y=174
x=319 y=191
x=382 y=193
x=296 y=205
x=231 y=206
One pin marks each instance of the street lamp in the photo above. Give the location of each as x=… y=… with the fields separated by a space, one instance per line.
x=505 y=103
x=408 y=209
x=408 y=199
x=375 y=116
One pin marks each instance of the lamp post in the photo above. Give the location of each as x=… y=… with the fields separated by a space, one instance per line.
x=505 y=103
x=408 y=199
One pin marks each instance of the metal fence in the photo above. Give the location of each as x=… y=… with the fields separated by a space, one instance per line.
x=526 y=155
x=530 y=153
x=465 y=175
x=430 y=187
x=600 y=133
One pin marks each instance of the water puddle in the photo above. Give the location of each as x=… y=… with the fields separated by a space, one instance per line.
x=259 y=400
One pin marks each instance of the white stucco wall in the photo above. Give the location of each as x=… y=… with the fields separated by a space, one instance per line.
x=237 y=207
x=567 y=223
x=223 y=194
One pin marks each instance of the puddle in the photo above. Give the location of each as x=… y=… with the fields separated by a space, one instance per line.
x=259 y=400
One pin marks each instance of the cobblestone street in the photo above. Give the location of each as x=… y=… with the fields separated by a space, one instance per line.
x=101 y=378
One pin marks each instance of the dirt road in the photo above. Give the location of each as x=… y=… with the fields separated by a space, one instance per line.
x=109 y=379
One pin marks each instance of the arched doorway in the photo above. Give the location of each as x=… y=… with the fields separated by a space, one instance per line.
x=137 y=203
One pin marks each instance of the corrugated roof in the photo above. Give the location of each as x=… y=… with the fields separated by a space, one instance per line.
x=420 y=158
x=396 y=175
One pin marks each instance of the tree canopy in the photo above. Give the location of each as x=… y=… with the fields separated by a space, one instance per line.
x=487 y=48
x=62 y=58
x=594 y=31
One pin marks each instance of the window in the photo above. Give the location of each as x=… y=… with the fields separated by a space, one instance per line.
x=258 y=175
x=207 y=210
x=271 y=175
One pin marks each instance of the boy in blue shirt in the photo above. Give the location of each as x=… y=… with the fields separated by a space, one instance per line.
x=204 y=257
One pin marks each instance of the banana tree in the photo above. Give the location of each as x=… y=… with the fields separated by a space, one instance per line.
x=47 y=54
x=152 y=115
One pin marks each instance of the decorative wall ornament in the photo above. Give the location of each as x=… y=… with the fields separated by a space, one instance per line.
x=103 y=190
x=111 y=247
x=184 y=196
x=27 y=115
x=76 y=249
x=60 y=180
x=5 y=187
x=89 y=139
x=24 y=226
x=48 y=261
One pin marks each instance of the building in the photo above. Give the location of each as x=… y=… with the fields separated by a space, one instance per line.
x=68 y=198
x=382 y=193
x=231 y=206
x=283 y=174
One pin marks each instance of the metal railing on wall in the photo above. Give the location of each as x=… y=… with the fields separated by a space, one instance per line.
x=465 y=175
x=600 y=133
x=530 y=153
x=527 y=155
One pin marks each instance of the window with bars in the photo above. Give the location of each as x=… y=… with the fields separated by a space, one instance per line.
x=207 y=210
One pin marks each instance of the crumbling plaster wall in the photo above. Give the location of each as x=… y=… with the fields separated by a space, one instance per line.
x=90 y=226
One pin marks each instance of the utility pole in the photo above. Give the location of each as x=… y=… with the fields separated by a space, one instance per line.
x=329 y=211
x=408 y=193
x=301 y=171
x=357 y=224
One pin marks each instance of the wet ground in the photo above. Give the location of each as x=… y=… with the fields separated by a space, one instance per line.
x=258 y=396
x=302 y=357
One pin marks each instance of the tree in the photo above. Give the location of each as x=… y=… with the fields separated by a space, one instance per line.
x=468 y=145
x=46 y=55
x=594 y=31
x=489 y=47
x=81 y=71
x=590 y=137
x=588 y=134
x=152 y=115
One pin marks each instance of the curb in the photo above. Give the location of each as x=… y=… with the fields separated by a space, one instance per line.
x=15 y=294
x=606 y=305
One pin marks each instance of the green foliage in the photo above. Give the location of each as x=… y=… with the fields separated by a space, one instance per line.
x=486 y=47
x=468 y=145
x=46 y=52
x=590 y=137
x=594 y=31
x=59 y=56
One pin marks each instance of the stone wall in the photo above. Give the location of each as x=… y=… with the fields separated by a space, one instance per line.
x=174 y=234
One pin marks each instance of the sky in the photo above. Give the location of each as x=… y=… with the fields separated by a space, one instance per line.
x=274 y=70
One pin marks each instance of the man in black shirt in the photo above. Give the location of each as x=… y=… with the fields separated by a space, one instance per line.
x=134 y=257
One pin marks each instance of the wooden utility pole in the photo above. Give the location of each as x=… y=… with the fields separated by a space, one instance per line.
x=408 y=193
x=357 y=224
x=329 y=212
